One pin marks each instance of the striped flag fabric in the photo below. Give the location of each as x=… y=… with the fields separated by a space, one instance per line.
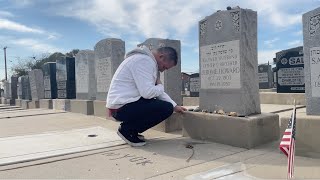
x=287 y=144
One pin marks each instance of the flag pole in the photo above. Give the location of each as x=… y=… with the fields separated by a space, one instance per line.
x=292 y=144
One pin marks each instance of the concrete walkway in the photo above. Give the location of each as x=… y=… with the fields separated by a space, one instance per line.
x=166 y=156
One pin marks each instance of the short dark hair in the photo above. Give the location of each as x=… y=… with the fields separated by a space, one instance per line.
x=170 y=53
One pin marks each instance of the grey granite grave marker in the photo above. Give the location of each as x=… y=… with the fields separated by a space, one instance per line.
x=108 y=54
x=36 y=84
x=49 y=80
x=14 y=83
x=185 y=83
x=228 y=62
x=171 y=78
x=26 y=88
x=19 y=87
x=311 y=49
x=290 y=71
x=7 y=89
x=194 y=85
x=265 y=76
x=85 y=75
x=65 y=77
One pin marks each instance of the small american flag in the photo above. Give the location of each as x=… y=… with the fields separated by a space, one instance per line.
x=287 y=144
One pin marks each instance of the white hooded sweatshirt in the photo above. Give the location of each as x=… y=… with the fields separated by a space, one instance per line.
x=135 y=78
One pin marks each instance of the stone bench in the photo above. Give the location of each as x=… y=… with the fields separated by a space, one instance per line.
x=244 y=132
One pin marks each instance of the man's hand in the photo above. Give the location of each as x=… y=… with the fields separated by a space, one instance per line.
x=179 y=109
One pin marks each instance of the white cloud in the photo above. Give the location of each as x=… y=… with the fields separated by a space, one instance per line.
x=147 y=18
x=267 y=55
x=270 y=43
x=5 y=14
x=280 y=14
x=18 y=27
x=295 y=43
x=14 y=26
x=297 y=33
x=23 y=3
x=35 y=45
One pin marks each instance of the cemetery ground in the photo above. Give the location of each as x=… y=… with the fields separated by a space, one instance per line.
x=52 y=144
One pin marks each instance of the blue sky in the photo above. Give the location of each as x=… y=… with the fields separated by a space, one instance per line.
x=36 y=27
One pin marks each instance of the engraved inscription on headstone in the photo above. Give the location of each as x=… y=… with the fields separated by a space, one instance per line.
x=315 y=71
x=49 y=80
x=104 y=77
x=263 y=77
x=220 y=66
x=82 y=77
x=291 y=76
x=194 y=84
x=46 y=82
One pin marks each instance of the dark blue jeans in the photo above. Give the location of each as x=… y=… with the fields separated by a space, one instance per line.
x=137 y=117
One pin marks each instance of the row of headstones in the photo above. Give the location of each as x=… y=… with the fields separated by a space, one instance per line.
x=228 y=62
x=266 y=77
x=89 y=74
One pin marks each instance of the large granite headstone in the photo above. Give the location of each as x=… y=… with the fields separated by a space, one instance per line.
x=7 y=90
x=229 y=63
x=36 y=84
x=49 y=80
x=85 y=75
x=19 y=87
x=290 y=71
x=65 y=77
x=25 y=87
x=194 y=85
x=311 y=49
x=265 y=76
x=170 y=78
x=108 y=54
x=24 y=91
x=14 y=83
x=185 y=83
